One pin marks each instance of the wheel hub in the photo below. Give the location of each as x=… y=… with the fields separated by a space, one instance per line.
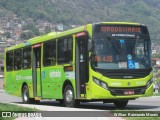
x=25 y=95
x=69 y=96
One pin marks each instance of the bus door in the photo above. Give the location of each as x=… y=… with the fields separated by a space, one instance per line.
x=82 y=71
x=36 y=70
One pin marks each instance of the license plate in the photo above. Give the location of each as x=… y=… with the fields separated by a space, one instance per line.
x=129 y=92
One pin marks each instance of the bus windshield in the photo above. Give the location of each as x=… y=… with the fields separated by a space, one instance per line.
x=120 y=53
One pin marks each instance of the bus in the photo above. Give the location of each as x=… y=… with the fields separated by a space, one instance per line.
x=107 y=61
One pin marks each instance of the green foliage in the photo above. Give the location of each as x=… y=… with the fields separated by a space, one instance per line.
x=31 y=27
x=47 y=29
x=26 y=35
x=1 y=56
x=29 y=31
x=7 y=34
x=156 y=55
x=11 y=107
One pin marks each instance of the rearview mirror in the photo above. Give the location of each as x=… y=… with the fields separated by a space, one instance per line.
x=89 y=44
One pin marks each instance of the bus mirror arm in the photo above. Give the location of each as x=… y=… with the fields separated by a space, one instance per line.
x=71 y=63
x=89 y=58
x=86 y=84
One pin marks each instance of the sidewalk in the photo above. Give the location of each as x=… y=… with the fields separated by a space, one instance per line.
x=1 y=91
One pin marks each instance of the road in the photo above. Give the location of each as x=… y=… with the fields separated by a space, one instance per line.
x=94 y=110
x=143 y=104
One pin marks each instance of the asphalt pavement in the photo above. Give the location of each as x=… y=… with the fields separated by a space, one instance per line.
x=95 y=108
x=146 y=103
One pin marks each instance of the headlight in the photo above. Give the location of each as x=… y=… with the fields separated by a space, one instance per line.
x=100 y=83
x=149 y=83
x=96 y=81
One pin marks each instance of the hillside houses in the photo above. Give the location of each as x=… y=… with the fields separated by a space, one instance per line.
x=14 y=26
x=11 y=28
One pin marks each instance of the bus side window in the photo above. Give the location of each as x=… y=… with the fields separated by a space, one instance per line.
x=9 y=61
x=27 y=58
x=49 y=53
x=70 y=49
x=65 y=50
x=17 y=59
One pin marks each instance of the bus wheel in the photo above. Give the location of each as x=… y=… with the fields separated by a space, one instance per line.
x=68 y=96
x=120 y=104
x=25 y=95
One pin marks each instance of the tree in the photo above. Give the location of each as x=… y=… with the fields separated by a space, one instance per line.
x=7 y=34
x=33 y=31
x=157 y=55
x=1 y=56
x=47 y=29
x=26 y=35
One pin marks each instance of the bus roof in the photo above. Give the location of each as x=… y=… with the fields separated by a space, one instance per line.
x=46 y=37
x=53 y=35
x=121 y=23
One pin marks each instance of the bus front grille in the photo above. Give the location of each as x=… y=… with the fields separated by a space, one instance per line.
x=125 y=73
x=131 y=91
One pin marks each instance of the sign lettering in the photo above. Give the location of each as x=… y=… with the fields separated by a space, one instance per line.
x=120 y=29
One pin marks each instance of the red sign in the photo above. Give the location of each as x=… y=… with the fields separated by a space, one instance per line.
x=37 y=45
x=102 y=58
x=80 y=34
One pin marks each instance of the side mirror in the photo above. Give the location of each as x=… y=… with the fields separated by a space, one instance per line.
x=90 y=45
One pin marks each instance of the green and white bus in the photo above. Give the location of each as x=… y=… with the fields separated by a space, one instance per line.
x=107 y=61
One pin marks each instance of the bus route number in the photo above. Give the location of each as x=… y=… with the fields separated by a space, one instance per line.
x=102 y=58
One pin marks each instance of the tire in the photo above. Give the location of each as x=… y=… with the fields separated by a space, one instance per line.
x=69 y=98
x=25 y=95
x=60 y=101
x=120 y=104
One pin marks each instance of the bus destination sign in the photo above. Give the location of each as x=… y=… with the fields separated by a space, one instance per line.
x=124 y=29
x=115 y=29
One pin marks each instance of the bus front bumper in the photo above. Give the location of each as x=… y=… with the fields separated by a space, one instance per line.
x=98 y=92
